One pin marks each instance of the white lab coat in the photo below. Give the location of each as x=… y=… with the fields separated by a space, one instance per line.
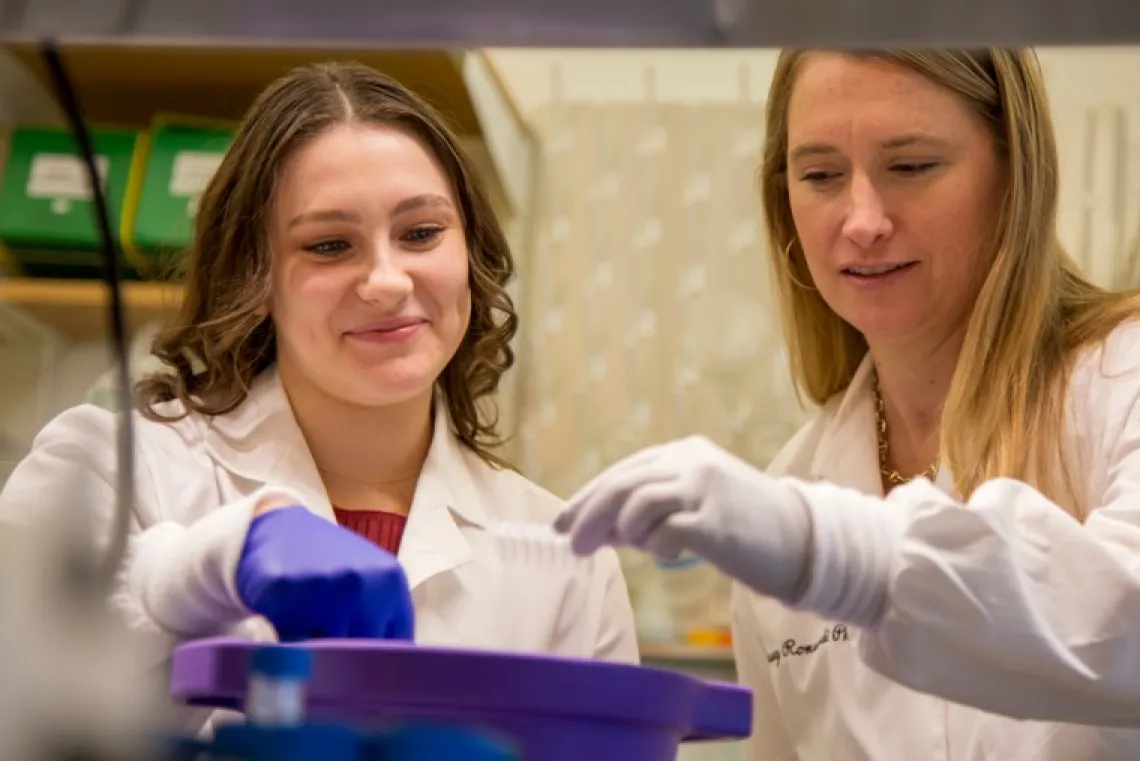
x=199 y=478
x=1005 y=603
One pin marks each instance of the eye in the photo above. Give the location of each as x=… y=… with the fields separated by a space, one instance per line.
x=422 y=236
x=818 y=177
x=327 y=248
x=914 y=167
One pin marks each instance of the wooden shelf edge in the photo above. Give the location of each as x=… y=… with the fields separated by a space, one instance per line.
x=77 y=309
x=130 y=84
x=49 y=292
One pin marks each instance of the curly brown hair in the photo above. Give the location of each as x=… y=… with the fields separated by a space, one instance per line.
x=223 y=337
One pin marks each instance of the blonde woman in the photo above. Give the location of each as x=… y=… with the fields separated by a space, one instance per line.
x=957 y=533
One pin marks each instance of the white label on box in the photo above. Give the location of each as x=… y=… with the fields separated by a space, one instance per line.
x=57 y=175
x=192 y=171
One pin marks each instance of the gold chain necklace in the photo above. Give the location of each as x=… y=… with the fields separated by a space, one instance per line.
x=892 y=476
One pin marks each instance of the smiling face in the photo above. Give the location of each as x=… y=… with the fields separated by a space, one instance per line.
x=894 y=185
x=370 y=296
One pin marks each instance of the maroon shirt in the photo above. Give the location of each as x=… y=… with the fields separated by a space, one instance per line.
x=381 y=528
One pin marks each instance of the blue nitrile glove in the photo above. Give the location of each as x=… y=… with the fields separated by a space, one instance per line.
x=314 y=579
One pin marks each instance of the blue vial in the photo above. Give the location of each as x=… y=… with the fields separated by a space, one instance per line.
x=275 y=694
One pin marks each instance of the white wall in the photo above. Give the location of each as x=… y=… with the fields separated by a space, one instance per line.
x=597 y=76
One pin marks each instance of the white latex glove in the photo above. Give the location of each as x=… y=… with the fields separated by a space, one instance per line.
x=692 y=496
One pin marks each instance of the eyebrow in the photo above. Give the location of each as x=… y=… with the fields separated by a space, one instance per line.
x=903 y=141
x=324 y=215
x=425 y=201
x=407 y=205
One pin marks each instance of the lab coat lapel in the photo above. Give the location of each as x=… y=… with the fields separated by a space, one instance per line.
x=445 y=500
x=261 y=442
x=848 y=453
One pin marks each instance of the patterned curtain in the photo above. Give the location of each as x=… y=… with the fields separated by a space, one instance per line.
x=647 y=311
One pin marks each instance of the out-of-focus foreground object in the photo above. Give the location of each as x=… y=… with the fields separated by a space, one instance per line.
x=551 y=708
x=503 y=23
x=71 y=686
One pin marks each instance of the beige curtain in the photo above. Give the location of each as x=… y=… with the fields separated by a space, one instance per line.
x=646 y=308
x=647 y=314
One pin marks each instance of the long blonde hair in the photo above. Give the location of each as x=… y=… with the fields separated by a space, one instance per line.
x=1035 y=309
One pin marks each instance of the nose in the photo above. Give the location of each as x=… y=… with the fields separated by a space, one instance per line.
x=867 y=221
x=386 y=280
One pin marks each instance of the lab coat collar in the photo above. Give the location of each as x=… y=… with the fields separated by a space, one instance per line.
x=445 y=499
x=261 y=442
x=848 y=452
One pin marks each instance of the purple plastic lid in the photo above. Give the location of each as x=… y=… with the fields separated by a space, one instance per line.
x=375 y=678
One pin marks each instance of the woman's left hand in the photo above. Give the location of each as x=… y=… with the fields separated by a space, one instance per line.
x=692 y=496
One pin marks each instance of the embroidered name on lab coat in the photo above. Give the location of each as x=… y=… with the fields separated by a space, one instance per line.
x=791 y=648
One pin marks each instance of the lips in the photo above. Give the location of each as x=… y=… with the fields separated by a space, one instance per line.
x=389 y=325
x=876 y=270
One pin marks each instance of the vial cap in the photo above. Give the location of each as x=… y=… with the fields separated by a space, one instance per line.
x=282 y=662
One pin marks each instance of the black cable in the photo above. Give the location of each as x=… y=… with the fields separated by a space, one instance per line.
x=108 y=569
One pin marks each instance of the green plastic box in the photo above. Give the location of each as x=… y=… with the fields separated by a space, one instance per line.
x=179 y=162
x=47 y=217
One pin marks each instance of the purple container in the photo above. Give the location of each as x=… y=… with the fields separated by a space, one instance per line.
x=554 y=709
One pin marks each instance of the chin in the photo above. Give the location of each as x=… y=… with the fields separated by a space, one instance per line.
x=370 y=381
x=402 y=386
x=386 y=394
x=882 y=326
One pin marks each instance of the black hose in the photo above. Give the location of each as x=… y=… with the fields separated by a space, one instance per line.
x=108 y=569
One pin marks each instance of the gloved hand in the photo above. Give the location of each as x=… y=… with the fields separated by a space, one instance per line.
x=692 y=496
x=314 y=579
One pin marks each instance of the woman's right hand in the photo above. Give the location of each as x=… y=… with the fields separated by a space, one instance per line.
x=313 y=579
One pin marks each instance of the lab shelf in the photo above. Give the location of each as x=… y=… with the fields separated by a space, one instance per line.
x=680 y=653
x=128 y=83
x=78 y=309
